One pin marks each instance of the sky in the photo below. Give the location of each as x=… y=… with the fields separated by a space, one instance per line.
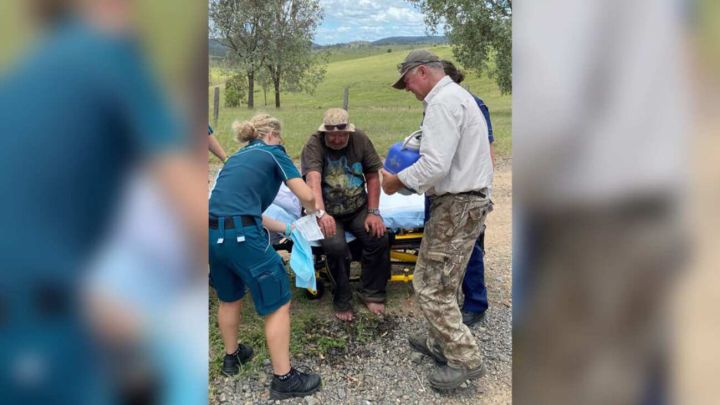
x=368 y=20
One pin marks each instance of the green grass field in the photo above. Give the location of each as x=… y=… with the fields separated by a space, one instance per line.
x=385 y=114
x=339 y=54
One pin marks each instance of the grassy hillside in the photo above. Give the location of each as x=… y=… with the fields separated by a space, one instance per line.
x=220 y=72
x=345 y=52
x=418 y=40
x=338 y=54
x=387 y=115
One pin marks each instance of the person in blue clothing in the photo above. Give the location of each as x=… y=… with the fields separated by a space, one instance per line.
x=240 y=253
x=475 y=304
x=84 y=101
x=215 y=147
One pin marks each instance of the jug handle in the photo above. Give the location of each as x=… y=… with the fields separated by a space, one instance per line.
x=416 y=134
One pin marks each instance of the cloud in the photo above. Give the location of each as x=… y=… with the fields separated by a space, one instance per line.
x=368 y=20
x=403 y=15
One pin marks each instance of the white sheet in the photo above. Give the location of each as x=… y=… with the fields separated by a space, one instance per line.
x=398 y=211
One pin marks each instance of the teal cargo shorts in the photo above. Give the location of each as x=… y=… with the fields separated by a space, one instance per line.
x=242 y=257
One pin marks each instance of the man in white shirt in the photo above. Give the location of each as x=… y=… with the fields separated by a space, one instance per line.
x=455 y=170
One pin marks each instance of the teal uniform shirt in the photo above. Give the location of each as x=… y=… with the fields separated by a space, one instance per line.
x=241 y=258
x=250 y=179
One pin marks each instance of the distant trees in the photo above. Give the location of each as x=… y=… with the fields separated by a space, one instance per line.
x=479 y=30
x=272 y=35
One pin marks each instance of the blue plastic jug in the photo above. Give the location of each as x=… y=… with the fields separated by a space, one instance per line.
x=403 y=154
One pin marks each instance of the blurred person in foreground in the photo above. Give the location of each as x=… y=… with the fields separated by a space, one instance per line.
x=339 y=161
x=147 y=299
x=241 y=256
x=83 y=102
x=475 y=303
x=599 y=178
x=455 y=170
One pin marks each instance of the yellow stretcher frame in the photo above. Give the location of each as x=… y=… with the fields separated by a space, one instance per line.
x=404 y=256
x=403 y=251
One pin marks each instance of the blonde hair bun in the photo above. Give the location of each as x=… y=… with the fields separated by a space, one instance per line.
x=258 y=127
x=244 y=131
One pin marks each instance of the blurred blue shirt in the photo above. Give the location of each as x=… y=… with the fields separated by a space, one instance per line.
x=76 y=114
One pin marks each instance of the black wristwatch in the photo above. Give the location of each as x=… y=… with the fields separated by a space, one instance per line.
x=374 y=211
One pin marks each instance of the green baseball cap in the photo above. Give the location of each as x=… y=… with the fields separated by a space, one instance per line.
x=415 y=58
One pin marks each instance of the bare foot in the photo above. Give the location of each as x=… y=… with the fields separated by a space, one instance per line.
x=344 y=315
x=376 y=308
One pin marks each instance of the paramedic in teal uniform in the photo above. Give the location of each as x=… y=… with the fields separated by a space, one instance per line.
x=240 y=253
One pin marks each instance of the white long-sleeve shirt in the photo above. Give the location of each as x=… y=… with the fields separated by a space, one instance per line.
x=454 y=151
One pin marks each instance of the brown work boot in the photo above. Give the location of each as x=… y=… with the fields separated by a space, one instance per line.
x=419 y=344
x=447 y=378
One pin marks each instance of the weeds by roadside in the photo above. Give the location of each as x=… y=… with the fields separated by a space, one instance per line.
x=315 y=332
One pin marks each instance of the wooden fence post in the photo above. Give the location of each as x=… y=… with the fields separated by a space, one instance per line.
x=216 y=106
x=346 y=98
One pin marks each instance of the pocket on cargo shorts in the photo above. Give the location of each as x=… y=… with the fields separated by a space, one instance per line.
x=271 y=287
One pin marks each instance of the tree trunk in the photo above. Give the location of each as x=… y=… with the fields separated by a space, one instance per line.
x=276 y=82
x=251 y=90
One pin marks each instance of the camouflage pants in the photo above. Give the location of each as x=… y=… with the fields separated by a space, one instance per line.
x=447 y=243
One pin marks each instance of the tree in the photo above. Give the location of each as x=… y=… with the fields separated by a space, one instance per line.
x=305 y=73
x=290 y=62
x=480 y=32
x=241 y=26
x=262 y=77
x=234 y=91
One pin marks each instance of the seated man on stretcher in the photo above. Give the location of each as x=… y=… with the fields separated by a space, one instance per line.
x=337 y=162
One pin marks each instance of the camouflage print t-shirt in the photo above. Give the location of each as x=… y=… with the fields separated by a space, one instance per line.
x=342 y=171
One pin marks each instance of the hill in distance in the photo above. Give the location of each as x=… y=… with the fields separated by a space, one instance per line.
x=218 y=50
x=411 y=40
x=387 y=41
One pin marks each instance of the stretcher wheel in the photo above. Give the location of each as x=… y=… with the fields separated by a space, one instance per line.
x=316 y=295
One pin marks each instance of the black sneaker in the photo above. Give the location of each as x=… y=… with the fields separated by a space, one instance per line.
x=231 y=362
x=299 y=384
x=471 y=318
